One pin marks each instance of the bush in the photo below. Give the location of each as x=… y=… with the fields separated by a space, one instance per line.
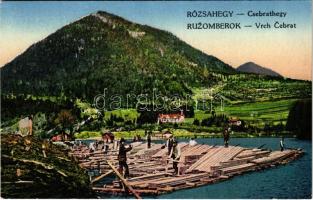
x=196 y=122
x=87 y=134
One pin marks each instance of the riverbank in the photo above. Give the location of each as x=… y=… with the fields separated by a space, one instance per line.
x=32 y=168
x=178 y=133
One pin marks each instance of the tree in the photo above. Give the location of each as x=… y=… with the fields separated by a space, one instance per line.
x=300 y=119
x=196 y=122
x=40 y=124
x=65 y=120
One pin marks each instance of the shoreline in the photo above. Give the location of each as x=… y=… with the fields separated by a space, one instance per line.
x=198 y=137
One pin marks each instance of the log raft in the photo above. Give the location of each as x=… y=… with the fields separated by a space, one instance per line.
x=151 y=172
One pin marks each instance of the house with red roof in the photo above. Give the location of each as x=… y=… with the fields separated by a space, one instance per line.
x=171 y=118
x=234 y=121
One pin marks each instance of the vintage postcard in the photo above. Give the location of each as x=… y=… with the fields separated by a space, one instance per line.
x=156 y=99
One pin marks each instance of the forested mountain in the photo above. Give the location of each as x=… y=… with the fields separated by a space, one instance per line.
x=101 y=51
x=251 y=67
x=61 y=74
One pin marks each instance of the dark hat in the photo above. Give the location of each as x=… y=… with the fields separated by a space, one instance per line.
x=122 y=140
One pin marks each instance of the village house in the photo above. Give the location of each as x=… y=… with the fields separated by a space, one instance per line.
x=235 y=122
x=171 y=118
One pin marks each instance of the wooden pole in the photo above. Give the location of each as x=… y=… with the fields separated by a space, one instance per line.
x=101 y=176
x=124 y=180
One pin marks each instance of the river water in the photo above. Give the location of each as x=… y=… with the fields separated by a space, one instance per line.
x=293 y=180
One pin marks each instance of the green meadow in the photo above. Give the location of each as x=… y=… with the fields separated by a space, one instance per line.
x=267 y=111
x=257 y=114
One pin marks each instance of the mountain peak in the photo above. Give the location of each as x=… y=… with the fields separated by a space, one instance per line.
x=102 y=50
x=106 y=14
x=250 y=63
x=101 y=12
x=251 y=67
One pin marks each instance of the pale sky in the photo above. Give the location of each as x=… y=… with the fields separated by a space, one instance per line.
x=286 y=51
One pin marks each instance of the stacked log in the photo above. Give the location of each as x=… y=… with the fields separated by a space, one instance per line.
x=274 y=157
x=151 y=172
x=211 y=152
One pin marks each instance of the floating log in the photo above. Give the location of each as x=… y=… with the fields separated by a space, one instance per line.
x=101 y=176
x=256 y=153
x=119 y=190
x=273 y=157
x=203 y=159
x=224 y=155
x=148 y=177
x=174 y=181
x=199 y=165
x=238 y=168
x=124 y=181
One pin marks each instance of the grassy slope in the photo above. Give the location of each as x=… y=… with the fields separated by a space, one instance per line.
x=263 y=112
x=126 y=114
x=268 y=110
x=253 y=98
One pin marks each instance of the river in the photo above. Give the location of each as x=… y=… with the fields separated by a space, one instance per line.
x=293 y=180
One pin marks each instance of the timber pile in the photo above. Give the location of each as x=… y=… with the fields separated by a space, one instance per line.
x=151 y=171
x=273 y=157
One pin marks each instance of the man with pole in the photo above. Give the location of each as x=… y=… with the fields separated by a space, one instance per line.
x=169 y=145
x=122 y=158
x=226 y=135
x=281 y=144
x=175 y=155
x=149 y=140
